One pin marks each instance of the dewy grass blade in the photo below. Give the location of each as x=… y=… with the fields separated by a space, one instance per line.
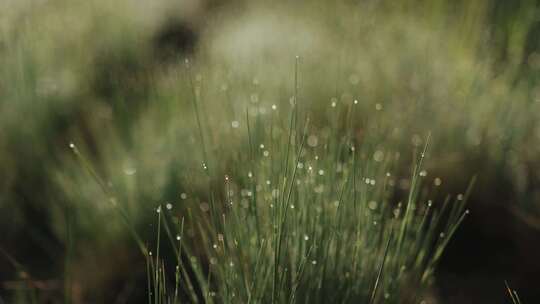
x=380 y=271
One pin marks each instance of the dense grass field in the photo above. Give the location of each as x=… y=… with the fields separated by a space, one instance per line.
x=269 y=152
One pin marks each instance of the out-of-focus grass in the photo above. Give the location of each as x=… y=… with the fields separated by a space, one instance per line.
x=90 y=73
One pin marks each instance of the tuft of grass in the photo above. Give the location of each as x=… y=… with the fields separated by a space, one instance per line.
x=299 y=226
x=300 y=217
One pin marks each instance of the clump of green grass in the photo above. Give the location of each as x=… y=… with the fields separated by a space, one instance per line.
x=434 y=76
x=308 y=227
x=300 y=217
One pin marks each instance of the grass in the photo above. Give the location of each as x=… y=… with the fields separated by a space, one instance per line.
x=301 y=217
x=229 y=141
x=512 y=294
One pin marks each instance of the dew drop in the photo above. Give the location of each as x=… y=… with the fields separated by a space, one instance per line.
x=312 y=141
x=130 y=170
x=378 y=156
x=204 y=207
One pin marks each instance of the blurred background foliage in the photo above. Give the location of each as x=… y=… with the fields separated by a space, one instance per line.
x=110 y=77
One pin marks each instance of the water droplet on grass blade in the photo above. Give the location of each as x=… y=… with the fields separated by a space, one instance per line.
x=130 y=170
x=378 y=156
x=204 y=207
x=312 y=141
